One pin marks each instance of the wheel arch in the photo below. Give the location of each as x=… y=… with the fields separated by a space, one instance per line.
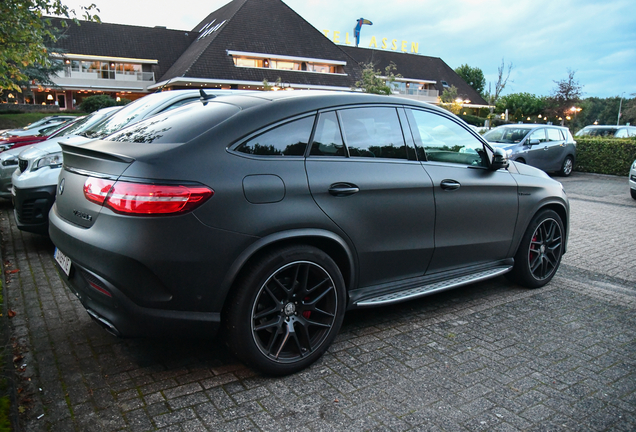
x=559 y=207
x=330 y=243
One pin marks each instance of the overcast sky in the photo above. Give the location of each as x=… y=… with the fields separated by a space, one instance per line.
x=541 y=38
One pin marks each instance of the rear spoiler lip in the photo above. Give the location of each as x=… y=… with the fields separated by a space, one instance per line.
x=95 y=154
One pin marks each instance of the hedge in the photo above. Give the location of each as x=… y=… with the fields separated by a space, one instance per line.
x=605 y=155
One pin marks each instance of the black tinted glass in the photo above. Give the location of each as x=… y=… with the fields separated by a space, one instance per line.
x=373 y=132
x=328 y=139
x=176 y=126
x=289 y=139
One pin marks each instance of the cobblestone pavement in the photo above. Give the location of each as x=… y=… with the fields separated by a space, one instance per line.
x=492 y=356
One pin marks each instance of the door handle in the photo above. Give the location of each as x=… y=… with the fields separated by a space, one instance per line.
x=449 y=184
x=343 y=189
x=545 y=148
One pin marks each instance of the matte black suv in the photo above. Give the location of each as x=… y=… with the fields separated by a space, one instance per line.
x=266 y=216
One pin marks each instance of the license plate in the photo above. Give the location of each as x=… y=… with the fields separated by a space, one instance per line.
x=63 y=261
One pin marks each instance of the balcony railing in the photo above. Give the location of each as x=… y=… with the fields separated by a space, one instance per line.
x=416 y=92
x=109 y=75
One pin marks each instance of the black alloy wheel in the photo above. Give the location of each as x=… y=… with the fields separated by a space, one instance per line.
x=287 y=310
x=567 y=166
x=540 y=251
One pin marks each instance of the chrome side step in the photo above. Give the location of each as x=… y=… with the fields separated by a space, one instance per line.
x=420 y=291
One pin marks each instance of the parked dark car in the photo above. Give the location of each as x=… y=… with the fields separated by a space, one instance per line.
x=265 y=216
x=547 y=147
x=607 y=131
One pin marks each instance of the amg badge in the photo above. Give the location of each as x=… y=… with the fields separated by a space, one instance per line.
x=83 y=215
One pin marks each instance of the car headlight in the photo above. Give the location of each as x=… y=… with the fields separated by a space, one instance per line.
x=634 y=165
x=12 y=161
x=53 y=160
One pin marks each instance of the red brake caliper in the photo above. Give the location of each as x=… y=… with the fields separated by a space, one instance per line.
x=306 y=313
x=532 y=253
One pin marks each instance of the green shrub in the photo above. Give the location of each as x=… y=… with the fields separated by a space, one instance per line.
x=97 y=102
x=472 y=119
x=605 y=155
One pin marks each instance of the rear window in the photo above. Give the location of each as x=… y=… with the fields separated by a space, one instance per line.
x=176 y=126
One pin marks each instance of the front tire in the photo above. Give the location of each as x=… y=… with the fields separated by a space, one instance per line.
x=567 y=166
x=287 y=309
x=540 y=251
x=633 y=193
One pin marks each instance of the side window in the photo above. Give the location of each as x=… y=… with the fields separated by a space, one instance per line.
x=554 y=135
x=443 y=140
x=622 y=133
x=539 y=134
x=328 y=139
x=289 y=139
x=373 y=132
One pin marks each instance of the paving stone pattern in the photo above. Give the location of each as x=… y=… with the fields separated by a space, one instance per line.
x=491 y=357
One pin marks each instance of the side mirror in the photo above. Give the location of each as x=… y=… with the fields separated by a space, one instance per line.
x=534 y=141
x=499 y=159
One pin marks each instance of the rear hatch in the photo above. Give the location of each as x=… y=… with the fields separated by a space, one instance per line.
x=100 y=173
x=80 y=164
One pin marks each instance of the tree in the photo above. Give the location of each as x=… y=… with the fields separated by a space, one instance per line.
x=473 y=76
x=565 y=95
x=448 y=100
x=521 y=105
x=373 y=82
x=25 y=33
x=500 y=85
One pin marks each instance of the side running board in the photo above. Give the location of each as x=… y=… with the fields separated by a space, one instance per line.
x=433 y=287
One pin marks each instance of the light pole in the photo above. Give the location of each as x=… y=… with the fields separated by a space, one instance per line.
x=620 y=106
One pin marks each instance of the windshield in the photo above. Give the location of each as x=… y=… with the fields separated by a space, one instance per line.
x=597 y=132
x=506 y=135
x=50 y=130
x=86 y=122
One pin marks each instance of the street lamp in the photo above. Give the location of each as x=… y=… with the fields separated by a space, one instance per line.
x=620 y=106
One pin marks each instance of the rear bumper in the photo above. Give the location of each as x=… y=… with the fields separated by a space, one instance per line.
x=123 y=318
x=32 y=208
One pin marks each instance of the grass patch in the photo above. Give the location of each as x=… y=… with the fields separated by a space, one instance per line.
x=14 y=121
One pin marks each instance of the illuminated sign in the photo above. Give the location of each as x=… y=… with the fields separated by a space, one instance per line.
x=384 y=43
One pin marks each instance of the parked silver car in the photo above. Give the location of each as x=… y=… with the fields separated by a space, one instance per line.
x=547 y=147
x=607 y=131
x=632 y=180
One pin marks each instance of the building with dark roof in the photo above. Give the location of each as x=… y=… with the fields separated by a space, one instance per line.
x=245 y=44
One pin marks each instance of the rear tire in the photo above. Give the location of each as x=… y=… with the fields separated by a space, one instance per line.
x=287 y=308
x=539 y=254
x=567 y=166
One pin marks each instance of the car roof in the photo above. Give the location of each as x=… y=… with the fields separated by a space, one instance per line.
x=528 y=125
x=308 y=100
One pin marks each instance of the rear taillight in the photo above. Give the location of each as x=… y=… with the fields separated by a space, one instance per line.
x=145 y=199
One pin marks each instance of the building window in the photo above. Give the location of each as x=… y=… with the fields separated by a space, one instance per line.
x=285 y=64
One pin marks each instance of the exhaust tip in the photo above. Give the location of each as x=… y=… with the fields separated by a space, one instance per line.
x=104 y=323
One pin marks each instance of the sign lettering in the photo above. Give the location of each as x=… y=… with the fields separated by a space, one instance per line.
x=395 y=45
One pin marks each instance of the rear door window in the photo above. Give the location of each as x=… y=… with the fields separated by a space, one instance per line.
x=373 y=132
x=555 y=135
